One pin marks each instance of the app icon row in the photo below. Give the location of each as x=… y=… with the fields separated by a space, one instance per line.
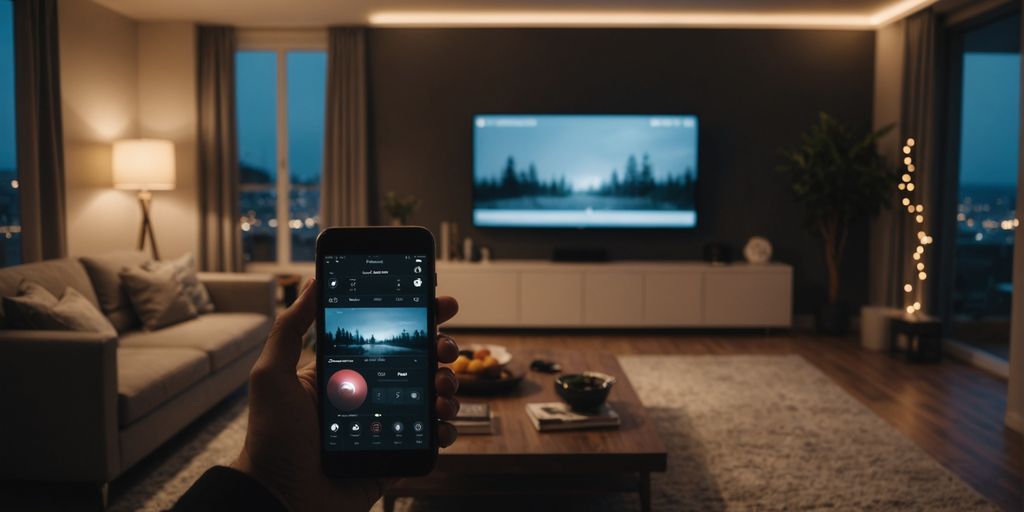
x=397 y=396
x=376 y=427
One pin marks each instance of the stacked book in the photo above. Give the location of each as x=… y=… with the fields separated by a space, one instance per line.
x=547 y=416
x=474 y=418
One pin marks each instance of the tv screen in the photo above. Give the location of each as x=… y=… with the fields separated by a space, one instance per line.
x=583 y=171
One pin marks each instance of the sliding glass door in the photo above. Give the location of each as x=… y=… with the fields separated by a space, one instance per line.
x=985 y=66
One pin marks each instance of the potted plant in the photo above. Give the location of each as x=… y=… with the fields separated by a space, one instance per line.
x=399 y=209
x=840 y=180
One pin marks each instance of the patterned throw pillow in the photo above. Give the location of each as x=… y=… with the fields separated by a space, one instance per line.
x=37 y=308
x=184 y=269
x=157 y=297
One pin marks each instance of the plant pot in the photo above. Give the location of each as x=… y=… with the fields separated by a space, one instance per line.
x=832 y=319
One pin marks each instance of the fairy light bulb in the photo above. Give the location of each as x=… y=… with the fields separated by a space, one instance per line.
x=906 y=201
x=908 y=287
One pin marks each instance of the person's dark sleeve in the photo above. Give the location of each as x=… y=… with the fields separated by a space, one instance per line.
x=223 y=488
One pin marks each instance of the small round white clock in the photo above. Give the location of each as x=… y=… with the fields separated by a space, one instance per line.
x=758 y=250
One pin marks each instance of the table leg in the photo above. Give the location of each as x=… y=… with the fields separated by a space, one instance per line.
x=645 y=492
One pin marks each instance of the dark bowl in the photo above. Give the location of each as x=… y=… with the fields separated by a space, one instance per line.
x=584 y=391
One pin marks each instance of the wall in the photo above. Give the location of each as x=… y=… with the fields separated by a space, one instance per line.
x=1015 y=393
x=754 y=90
x=168 y=110
x=122 y=79
x=99 y=93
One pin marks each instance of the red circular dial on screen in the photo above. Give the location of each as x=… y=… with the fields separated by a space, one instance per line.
x=346 y=390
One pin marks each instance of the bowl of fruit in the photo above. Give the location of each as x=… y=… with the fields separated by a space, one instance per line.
x=486 y=369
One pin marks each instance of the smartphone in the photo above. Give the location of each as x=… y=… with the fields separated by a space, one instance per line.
x=376 y=351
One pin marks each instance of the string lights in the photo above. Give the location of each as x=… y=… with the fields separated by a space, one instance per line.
x=913 y=288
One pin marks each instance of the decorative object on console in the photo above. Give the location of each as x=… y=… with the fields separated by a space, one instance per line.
x=840 y=179
x=758 y=250
x=550 y=416
x=399 y=209
x=467 y=249
x=485 y=254
x=718 y=253
x=443 y=248
x=144 y=165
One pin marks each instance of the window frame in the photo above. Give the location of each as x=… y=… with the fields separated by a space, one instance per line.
x=280 y=42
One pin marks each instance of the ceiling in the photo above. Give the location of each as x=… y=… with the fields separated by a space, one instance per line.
x=725 y=13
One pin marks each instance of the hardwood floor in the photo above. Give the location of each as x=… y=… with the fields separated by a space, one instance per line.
x=952 y=411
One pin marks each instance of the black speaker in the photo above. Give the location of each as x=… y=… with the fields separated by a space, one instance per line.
x=586 y=254
x=718 y=253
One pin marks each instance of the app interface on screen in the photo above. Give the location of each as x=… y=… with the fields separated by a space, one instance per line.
x=375 y=352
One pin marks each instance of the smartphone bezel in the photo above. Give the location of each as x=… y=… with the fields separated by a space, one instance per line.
x=379 y=240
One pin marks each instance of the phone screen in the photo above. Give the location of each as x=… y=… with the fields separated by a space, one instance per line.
x=375 y=352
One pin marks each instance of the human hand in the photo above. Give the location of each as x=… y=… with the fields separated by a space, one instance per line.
x=282 y=443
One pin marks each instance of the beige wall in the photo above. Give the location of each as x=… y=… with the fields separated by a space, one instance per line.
x=99 y=93
x=120 y=79
x=887 y=104
x=167 y=110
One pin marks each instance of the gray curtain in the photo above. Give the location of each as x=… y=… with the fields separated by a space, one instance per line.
x=40 y=131
x=344 y=194
x=917 y=121
x=220 y=240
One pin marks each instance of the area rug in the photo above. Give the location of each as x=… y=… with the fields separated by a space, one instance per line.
x=742 y=433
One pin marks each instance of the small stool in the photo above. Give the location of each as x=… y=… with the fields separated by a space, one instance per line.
x=923 y=334
x=289 y=284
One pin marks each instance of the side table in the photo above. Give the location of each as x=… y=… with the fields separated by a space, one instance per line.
x=923 y=334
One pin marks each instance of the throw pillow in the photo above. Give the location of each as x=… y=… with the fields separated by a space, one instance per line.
x=37 y=308
x=185 y=272
x=157 y=297
x=104 y=273
x=28 y=310
x=76 y=313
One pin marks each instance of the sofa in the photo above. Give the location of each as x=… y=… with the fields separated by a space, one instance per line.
x=85 y=407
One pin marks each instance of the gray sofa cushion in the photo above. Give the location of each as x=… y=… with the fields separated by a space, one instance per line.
x=223 y=336
x=53 y=275
x=157 y=297
x=105 y=274
x=148 y=377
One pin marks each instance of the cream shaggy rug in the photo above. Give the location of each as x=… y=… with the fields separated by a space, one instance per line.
x=742 y=432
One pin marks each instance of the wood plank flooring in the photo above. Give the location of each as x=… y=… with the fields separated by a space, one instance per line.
x=952 y=411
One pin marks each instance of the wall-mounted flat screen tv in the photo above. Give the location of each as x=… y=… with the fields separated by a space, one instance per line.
x=584 y=171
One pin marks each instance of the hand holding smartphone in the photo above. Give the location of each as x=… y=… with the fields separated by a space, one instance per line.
x=376 y=351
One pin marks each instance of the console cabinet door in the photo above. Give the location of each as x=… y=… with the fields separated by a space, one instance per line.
x=551 y=298
x=613 y=298
x=673 y=299
x=486 y=299
x=748 y=299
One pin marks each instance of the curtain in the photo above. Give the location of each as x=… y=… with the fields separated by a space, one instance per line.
x=917 y=121
x=344 y=194
x=40 y=130
x=220 y=239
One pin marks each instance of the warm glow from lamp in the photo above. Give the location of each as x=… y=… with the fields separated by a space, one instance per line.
x=143 y=164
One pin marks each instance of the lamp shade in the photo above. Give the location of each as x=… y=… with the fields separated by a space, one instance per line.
x=143 y=164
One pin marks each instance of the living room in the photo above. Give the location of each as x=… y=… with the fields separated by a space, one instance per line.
x=706 y=255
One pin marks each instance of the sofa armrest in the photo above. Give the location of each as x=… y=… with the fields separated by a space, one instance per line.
x=241 y=293
x=58 y=391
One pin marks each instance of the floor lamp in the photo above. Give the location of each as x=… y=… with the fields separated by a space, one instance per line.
x=144 y=165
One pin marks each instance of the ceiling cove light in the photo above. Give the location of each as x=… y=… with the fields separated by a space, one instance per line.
x=665 y=19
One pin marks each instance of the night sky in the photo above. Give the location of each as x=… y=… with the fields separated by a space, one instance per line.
x=8 y=155
x=990 y=130
x=256 y=96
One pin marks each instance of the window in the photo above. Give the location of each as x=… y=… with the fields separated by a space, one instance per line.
x=986 y=62
x=10 y=225
x=280 y=99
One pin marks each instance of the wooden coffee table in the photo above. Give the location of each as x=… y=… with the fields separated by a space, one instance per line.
x=517 y=459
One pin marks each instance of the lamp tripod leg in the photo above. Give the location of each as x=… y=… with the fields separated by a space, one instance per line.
x=147 y=225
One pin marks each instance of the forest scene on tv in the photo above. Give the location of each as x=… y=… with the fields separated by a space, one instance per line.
x=586 y=163
x=376 y=331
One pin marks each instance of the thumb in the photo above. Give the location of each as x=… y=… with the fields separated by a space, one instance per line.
x=284 y=345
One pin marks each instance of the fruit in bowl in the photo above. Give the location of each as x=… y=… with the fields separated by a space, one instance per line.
x=481 y=361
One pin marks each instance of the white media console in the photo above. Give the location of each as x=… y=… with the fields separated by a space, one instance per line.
x=533 y=293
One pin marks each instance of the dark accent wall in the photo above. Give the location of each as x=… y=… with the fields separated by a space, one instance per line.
x=754 y=90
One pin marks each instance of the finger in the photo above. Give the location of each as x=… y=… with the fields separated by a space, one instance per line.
x=284 y=345
x=446 y=309
x=446 y=382
x=447 y=349
x=446 y=434
x=447 y=408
